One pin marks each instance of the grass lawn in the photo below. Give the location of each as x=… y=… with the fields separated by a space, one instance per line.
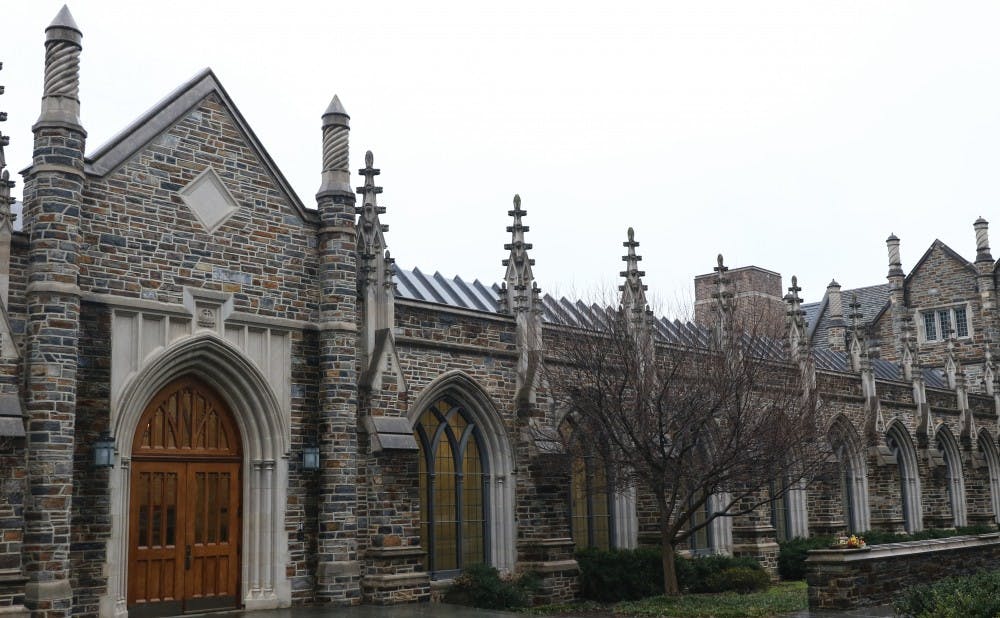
x=781 y=598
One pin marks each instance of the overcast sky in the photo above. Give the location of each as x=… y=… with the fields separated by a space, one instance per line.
x=795 y=136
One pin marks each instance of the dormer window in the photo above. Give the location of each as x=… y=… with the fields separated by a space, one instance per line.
x=938 y=323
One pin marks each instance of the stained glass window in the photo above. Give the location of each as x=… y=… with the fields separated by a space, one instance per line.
x=590 y=512
x=452 y=488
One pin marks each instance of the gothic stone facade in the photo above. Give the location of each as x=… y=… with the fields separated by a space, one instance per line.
x=266 y=385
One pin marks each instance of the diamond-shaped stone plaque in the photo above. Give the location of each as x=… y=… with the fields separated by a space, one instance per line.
x=209 y=199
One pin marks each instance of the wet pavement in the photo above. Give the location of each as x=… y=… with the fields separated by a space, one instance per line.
x=881 y=611
x=441 y=610
x=410 y=610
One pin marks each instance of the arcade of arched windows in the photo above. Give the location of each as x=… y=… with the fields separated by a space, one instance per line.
x=894 y=486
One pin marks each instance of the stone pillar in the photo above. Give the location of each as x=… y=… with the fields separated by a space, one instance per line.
x=753 y=534
x=338 y=573
x=53 y=187
x=837 y=331
x=896 y=297
x=984 y=277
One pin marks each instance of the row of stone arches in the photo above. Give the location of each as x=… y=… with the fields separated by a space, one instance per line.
x=901 y=472
x=467 y=475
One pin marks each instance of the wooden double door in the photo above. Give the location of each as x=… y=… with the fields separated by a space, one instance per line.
x=184 y=515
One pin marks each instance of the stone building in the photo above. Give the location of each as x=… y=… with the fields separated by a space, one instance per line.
x=213 y=395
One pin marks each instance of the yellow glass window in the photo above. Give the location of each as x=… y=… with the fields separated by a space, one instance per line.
x=590 y=517
x=452 y=508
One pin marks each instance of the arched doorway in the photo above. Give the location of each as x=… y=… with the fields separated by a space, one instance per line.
x=185 y=504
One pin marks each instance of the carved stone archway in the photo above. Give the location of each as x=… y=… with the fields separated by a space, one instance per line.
x=262 y=427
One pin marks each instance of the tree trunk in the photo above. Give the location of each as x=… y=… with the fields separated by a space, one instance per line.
x=670 y=586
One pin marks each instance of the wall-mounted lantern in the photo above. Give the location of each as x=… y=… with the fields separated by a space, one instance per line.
x=104 y=451
x=310 y=456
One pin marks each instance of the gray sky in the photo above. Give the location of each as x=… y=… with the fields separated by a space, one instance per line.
x=791 y=135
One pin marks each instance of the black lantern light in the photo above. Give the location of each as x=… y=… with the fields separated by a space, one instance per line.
x=104 y=451
x=310 y=456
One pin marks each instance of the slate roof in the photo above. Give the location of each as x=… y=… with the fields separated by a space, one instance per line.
x=476 y=296
x=872 y=298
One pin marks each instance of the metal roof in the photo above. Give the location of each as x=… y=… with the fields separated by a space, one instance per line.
x=476 y=296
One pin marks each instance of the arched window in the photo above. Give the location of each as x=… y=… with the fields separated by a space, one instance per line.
x=989 y=450
x=702 y=541
x=452 y=488
x=953 y=467
x=780 y=515
x=853 y=474
x=898 y=441
x=590 y=503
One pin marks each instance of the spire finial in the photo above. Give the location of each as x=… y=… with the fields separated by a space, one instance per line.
x=336 y=150
x=519 y=291
x=61 y=89
x=634 y=290
x=371 y=239
x=795 y=311
x=64 y=19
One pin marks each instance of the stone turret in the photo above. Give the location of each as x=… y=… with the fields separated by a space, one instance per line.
x=53 y=199
x=336 y=178
x=338 y=570
x=897 y=303
x=837 y=331
x=984 y=276
x=519 y=296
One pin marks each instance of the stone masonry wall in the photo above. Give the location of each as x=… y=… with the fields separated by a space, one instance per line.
x=141 y=240
x=943 y=281
x=844 y=579
x=92 y=497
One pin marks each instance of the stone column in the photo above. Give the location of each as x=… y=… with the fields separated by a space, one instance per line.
x=53 y=187
x=897 y=301
x=338 y=573
x=837 y=332
x=984 y=278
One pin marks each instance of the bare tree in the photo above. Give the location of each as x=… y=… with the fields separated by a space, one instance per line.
x=724 y=412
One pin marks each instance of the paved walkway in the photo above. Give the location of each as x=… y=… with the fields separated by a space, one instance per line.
x=441 y=610
x=409 y=610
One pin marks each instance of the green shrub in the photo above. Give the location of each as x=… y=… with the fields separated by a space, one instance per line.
x=703 y=574
x=738 y=579
x=973 y=596
x=481 y=586
x=614 y=575
x=630 y=574
x=792 y=555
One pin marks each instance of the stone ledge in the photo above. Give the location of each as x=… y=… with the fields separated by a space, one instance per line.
x=905 y=548
x=558 y=542
x=394 y=552
x=554 y=566
x=396 y=580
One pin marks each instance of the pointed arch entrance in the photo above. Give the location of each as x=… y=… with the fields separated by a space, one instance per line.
x=263 y=429
x=185 y=508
